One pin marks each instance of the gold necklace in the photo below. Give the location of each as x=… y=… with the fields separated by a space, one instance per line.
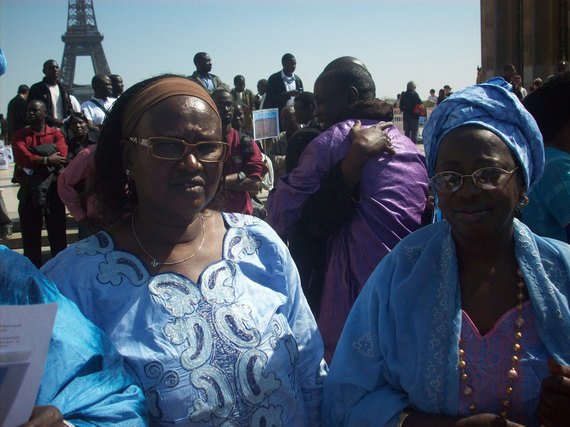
x=512 y=374
x=154 y=263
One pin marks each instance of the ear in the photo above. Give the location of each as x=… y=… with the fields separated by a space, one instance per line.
x=352 y=95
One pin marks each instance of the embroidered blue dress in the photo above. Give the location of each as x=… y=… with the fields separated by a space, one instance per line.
x=83 y=376
x=238 y=348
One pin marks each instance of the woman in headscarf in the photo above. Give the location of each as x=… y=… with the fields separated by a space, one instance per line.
x=466 y=322
x=206 y=307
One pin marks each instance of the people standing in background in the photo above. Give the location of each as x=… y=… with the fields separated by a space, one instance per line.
x=441 y=96
x=17 y=112
x=536 y=83
x=202 y=75
x=408 y=102
x=432 y=97
x=118 y=85
x=97 y=108
x=283 y=86
x=261 y=94
x=277 y=150
x=245 y=99
x=53 y=94
x=40 y=152
x=518 y=87
x=244 y=165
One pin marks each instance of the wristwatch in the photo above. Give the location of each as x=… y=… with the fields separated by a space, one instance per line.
x=241 y=176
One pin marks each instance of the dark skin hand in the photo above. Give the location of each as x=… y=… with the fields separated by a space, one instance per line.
x=554 y=406
x=56 y=159
x=366 y=143
x=45 y=416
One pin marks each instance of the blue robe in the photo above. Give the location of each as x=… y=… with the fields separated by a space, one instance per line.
x=84 y=375
x=239 y=347
x=399 y=347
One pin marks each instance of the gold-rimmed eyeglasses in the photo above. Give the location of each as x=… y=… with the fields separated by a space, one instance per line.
x=488 y=178
x=167 y=148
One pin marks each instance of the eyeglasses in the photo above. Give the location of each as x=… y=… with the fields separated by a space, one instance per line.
x=176 y=149
x=485 y=178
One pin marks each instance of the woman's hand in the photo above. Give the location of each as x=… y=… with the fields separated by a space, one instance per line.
x=554 y=406
x=45 y=416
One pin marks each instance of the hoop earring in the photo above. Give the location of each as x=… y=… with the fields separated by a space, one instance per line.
x=523 y=201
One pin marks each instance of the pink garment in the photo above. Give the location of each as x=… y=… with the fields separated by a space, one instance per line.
x=488 y=362
x=81 y=168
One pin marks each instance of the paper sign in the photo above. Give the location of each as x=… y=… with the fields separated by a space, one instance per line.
x=25 y=332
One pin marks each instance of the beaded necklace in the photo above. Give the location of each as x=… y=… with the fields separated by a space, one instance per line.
x=512 y=374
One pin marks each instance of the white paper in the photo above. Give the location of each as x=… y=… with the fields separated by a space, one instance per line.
x=25 y=332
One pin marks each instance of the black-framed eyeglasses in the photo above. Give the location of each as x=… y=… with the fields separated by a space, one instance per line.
x=176 y=149
x=488 y=178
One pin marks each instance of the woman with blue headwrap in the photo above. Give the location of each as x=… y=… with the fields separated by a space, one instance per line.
x=466 y=322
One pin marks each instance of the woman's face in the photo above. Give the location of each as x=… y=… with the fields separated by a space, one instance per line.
x=179 y=188
x=476 y=214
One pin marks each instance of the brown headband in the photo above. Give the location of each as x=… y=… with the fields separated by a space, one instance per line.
x=158 y=91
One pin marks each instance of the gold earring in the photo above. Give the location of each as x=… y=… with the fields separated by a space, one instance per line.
x=523 y=201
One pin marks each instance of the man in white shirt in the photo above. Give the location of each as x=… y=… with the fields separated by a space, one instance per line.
x=432 y=97
x=96 y=108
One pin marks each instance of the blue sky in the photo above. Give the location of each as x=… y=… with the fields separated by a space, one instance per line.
x=433 y=42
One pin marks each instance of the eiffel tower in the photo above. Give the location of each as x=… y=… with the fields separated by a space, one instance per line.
x=82 y=38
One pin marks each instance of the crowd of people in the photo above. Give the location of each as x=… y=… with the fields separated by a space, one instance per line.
x=434 y=286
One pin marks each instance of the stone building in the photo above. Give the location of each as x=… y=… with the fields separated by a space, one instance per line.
x=533 y=35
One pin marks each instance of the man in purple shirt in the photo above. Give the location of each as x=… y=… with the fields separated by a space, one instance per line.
x=364 y=201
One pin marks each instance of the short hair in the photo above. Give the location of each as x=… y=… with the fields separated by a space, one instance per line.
x=23 y=89
x=97 y=78
x=307 y=99
x=218 y=91
x=509 y=67
x=47 y=62
x=239 y=77
x=199 y=56
x=352 y=75
x=549 y=104
x=287 y=57
x=114 y=76
x=344 y=60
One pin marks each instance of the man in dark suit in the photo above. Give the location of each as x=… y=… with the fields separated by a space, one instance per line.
x=17 y=112
x=53 y=94
x=284 y=85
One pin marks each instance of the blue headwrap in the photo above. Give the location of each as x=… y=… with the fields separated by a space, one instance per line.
x=492 y=107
